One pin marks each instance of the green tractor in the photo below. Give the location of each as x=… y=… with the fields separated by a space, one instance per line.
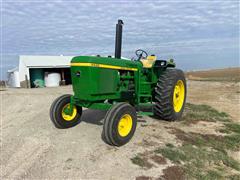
x=125 y=88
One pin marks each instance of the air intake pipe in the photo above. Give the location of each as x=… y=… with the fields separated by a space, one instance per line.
x=118 y=40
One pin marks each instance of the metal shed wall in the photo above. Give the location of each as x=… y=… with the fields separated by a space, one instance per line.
x=26 y=62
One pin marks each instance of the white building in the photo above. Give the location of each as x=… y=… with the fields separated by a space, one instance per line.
x=31 y=66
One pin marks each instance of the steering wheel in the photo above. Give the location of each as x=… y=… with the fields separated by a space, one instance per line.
x=141 y=53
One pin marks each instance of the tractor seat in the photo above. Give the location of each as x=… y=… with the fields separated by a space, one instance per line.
x=149 y=61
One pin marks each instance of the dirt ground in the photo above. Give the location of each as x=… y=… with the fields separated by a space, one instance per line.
x=33 y=148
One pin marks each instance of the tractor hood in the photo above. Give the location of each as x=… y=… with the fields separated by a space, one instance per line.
x=98 y=78
x=105 y=62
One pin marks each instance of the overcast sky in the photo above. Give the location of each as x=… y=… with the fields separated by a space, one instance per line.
x=197 y=34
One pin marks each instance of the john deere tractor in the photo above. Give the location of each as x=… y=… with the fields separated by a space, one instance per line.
x=125 y=88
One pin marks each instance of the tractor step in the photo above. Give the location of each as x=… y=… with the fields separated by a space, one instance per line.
x=146 y=83
x=145 y=109
x=145 y=104
x=142 y=113
x=145 y=95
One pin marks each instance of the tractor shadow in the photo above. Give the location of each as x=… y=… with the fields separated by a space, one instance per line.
x=96 y=117
x=93 y=116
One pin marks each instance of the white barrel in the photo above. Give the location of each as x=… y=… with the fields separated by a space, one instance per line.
x=52 y=79
x=13 y=79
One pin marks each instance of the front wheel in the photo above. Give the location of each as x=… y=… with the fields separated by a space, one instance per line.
x=58 y=116
x=119 y=124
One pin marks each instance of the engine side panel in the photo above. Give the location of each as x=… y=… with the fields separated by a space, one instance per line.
x=98 y=79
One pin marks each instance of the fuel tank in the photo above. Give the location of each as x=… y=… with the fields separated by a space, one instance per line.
x=97 y=78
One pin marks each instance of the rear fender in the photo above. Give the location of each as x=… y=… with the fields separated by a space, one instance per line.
x=164 y=64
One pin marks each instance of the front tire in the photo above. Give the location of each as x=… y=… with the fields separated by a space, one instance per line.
x=59 y=118
x=119 y=124
x=170 y=95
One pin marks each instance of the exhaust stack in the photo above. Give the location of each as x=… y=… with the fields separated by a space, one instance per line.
x=118 y=40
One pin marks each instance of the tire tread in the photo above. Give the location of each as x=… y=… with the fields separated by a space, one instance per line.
x=163 y=94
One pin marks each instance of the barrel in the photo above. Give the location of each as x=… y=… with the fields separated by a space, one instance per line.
x=37 y=78
x=13 y=79
x=52 y=79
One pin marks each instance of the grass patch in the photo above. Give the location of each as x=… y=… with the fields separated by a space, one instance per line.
x=141 y=161
x=211 y=174
x=204 y=156
x=172 y=154
x=200 y=156
x=233 y=177
x=219 y=143
x=194 y=113
x=138 y=161
x=225 y=131
x=232 y=127
x=196 y=160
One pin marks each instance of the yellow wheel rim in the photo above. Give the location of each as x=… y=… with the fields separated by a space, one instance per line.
x=178 y=96
x=67 y=117
x=125 y=125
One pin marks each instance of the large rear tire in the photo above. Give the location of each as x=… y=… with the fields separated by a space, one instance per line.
x=119 y=124
x=59 y=118
x=170 y=95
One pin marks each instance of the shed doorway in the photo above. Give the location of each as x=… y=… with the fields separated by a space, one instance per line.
x=38 y=75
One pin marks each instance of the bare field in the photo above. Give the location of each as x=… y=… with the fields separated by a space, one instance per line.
x=32 y=148
x=227 y=74
x=224 y=96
